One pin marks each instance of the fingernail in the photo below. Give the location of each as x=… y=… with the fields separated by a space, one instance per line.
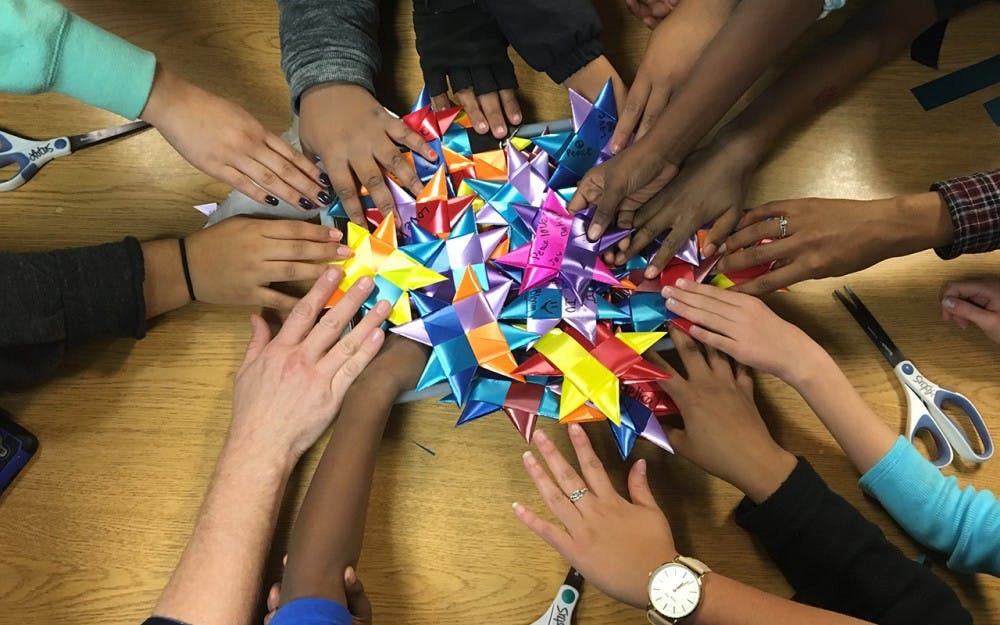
x=948 y=302
x=482 y=127
x=708 y=250
x=324 y=197
x=332 y=274
x=528 y=458
x=540 y=436
x=640 y=466
x=344 y=251
x=377 y=335
x=722 y=249
x=382 y=307
x=670 y=302
x=306 y=204
x=615 y=147
x=575 y=429
x=594 y=232
x=667 y=291
x=432 y=155
x=651 y=272
x=366 y=283
x=335 y=234
x=518 y=508
x=324 y=180
x=270 y=199
x=500 y=131
x=681 y=283
x=516 y=118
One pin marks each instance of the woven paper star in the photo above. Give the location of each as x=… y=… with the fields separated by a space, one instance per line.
x=522 y=402
x=465 y=336
x=543 y=309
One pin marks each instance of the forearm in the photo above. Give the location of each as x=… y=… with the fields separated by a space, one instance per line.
x=755 y=34
x=219 y=574
x=329 y=529
x=872 y=37
x=164 y=288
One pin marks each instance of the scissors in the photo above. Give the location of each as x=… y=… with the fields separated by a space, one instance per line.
x=923 y=397
x=30 y=155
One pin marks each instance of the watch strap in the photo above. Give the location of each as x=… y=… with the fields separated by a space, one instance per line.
x=699 y=567
x=655 y=618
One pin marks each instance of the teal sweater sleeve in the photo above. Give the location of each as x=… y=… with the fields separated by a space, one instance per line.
x=961 y=522
x=44 y=47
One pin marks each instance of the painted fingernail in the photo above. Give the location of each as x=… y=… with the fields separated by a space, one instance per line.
x=708 y=250
x=722 y=249
x=366 y=283
x=948 y=302
x=324 y=180
x=324 y=198
x=432 y=155
x=482 y=127
x=681 y=283
x=306 y=204
x=594 y=232
x=344 y=251
x=270 y=199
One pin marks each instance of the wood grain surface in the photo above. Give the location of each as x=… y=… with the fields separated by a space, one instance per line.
x=129 y=430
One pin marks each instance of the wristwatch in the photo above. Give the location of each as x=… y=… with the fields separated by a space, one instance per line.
x=675 y=590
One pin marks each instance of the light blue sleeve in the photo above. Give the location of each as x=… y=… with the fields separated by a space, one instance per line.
x=829 y=6
x=962 y=523
x=312 y=611
x=45 y=47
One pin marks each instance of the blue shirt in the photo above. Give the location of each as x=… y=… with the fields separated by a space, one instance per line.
x=312 y=611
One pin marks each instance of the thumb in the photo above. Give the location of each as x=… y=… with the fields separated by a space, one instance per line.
x=357 y=601
x=963 y=309
x=638 y=486
x=260 y=335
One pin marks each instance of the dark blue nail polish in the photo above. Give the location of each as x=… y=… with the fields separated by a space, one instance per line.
x=270 y=199
x=324 y=180
x=306 y=204
x=324 y=197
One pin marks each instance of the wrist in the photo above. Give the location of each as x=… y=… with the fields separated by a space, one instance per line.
x=742 y=148
x=767 y=471
x=928 y=221
x=162 y=96
x=807 y=364
x=272 y=461
x=164 y=287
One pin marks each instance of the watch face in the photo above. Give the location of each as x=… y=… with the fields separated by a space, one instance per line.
x=674 y=590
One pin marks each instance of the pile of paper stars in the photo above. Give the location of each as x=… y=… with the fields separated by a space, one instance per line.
x=488 y=268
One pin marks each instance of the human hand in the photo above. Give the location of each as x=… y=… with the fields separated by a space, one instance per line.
x=354 y=137
x=740 y=325
x=723 y=432
x=674 y=47
x=235 y=261
x=832 y=237
x=712 y=185
x=651 y=12
x=289 y=389
x=357 y=600
x=591 y=78
x=223 y=140
x=614 y=543
x=976 y=302
x=486 y=111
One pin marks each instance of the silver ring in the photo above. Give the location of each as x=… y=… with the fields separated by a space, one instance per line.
x=782 y=227
x=578 y=494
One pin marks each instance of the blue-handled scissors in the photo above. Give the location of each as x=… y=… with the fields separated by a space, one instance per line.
x=30 y=155
x=923 y=397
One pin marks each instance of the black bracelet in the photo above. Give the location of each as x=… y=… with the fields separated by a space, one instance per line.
x=187 y=271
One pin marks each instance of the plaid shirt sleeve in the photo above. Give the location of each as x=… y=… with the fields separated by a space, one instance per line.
x=974 y=204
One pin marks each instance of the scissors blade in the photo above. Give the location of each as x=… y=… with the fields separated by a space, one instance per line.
x=870 y=325
x=78 y=142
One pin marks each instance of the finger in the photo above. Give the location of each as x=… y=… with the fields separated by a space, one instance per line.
x=368 y=172
x=564 y=473
x=556 y=537
x=346 y=189
x=589 y=190
x=704 y=317
x=979 y=292
x=704 y=297
x=298 y=251
x=745 y=239
x=690 y=353
x=260 y=334
x=717 y=361
x=304 y=313
x=441 y=102
x=406 y=136
x=288 y=271
x=658 y=98
x=638 y=486
x=759 y=255
x=743 y=378
x=962 y=309
x=678 y=235
x=270 y=298
x=294 y=230
x=351 y=354
x=564 y=510
x=395 y=163
x=467 y=100
x=635 y=103
x=773 y=280
x=511 y=107
x=590 y=464
x=331 y=325
x=357 y=600
x=273 y=597
x=271 y=180
x=490 y=105
x=715 y=340
x=242 y=183
x=720 y=231
x=626 y=218
x=295 y=169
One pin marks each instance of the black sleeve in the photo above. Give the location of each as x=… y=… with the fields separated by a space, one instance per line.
x=557 y=37
x=948 y=8
x=460 y=41
x=52 y=301
x=835 y=559
x=162 y=620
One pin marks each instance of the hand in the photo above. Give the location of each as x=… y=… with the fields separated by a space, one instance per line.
x=289 y=389
x=712 y=185
x=827 y=238
x=615 y=544
x=723 y=432
x=651 y=12
x=740 y=325
x=591 y=78
x=486 y=110
x=357 y=601
x=235 y=261
x=673 y=49
x=354 y=136
x=227 y=143
x=975 y=302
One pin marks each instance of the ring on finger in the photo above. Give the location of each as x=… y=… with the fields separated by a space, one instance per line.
x=578 y=494
x=782 y=227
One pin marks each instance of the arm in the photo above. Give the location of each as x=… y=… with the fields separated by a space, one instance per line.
x=286 y=393
x=962 y=523
x=329 y=529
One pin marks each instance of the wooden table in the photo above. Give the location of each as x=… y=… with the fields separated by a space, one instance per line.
x=129 y=430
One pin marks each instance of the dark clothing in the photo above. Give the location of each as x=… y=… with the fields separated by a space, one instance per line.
x=837 y=560
x=974 y=205
x=54 y=301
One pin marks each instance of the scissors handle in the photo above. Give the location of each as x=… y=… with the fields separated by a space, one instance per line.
x=28 y=155
x=924 y=400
